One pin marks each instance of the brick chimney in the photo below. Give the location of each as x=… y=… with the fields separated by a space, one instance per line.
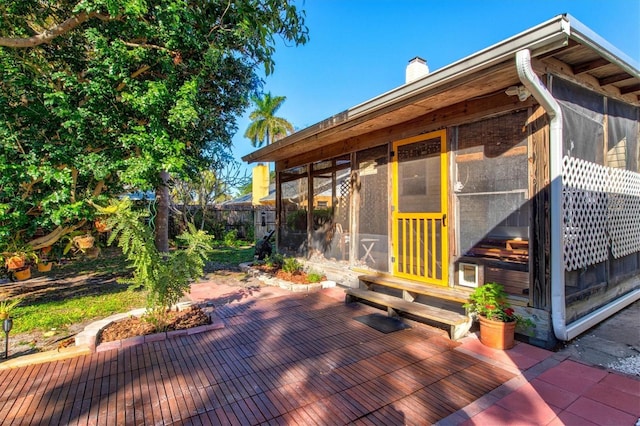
x=260 y=183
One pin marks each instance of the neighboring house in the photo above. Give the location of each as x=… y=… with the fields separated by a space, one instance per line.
x=518 y=164
x=261 y=210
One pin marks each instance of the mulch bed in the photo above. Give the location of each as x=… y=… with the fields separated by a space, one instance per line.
x=134 y=326
x=299 y=277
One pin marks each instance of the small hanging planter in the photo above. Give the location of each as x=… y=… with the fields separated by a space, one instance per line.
x=101 y=225
x=22 y=274
x=44 y=266
x=15 y=262
x=84 y=242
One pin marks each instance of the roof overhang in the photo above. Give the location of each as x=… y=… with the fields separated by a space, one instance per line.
x=562 y=38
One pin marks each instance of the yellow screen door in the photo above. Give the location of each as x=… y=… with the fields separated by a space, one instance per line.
x=420 y=208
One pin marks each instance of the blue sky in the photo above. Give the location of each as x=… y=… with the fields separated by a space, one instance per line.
x=359 y=49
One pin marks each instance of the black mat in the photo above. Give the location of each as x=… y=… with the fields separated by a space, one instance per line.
x=382 y=323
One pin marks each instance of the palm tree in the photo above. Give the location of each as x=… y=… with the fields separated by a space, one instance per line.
x=265 y=127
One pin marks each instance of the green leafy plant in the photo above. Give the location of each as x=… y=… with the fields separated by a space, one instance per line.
x=490 y=301
x=167 y=276
x=314 y=276
x=6 y=306
x=291 y=265
x=274 y=260
x=16 y=253
x=230 y=238
x=122 y=98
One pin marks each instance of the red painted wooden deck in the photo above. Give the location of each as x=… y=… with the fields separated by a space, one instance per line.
x=293 y=359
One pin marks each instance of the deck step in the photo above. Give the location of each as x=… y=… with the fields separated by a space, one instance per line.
x=459 y=324
x=416 y=288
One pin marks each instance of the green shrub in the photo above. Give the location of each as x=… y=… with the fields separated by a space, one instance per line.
x=250 y=231
x=231 y=238
x=275 y=260
x=167 y=276
x=291 y=265
x=314 y=276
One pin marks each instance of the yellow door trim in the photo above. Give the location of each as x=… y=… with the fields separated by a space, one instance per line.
x=422 y=225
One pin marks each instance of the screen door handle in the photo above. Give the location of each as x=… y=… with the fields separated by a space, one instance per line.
x=444 y=220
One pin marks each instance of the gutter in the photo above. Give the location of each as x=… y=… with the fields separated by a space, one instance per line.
x=585 y=36
x=542 y=38
x=561 y=330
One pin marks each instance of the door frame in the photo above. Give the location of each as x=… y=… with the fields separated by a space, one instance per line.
x=443 y=214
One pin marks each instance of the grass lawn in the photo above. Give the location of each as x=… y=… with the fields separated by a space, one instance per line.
x=60 y=314
x=232 y=255
x=84 y=290
x=73 y=292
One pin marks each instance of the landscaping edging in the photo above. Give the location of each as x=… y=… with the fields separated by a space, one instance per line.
x=286 y=285
x=89 y=335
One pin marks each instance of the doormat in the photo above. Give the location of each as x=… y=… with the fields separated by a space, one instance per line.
x=382 y=323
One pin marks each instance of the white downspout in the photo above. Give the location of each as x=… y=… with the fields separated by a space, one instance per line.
x=552 y=108
x=558 y=304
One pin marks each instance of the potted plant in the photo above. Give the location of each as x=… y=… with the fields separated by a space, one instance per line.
x=84 y=242
x=6 y=306
x=18 y=259
x=101 y=225
x=496 y=316
x=44 y=265
x=23 y=273
x=14 y=261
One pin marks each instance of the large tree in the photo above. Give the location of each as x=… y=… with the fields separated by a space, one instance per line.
x=209 y=187
x=101 y=96
x=265 y=127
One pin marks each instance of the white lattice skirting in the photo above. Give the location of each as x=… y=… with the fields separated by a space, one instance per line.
x=601 y=211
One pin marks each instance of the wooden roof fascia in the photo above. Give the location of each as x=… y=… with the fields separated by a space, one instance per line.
x=585 y=36
x=333 y=136
x=561 y=37
x=467 y=111
x=556 y=67
x=539 y=39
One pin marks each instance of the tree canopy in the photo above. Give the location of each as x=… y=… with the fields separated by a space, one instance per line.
x=98 y=97
x=265 y=127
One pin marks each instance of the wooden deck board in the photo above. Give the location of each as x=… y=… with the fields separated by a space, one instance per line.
x=312 y=363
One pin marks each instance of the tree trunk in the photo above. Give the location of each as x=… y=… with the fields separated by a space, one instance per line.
x=162 y=217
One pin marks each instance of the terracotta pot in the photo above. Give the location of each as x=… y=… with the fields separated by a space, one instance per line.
x=44 y=266
x=23 y=274
x=84 y=242
x=497 y=334
x=101 y=226
x=15 y=262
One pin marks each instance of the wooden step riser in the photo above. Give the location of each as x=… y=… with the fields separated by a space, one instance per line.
x=458 y=324
x=414 y=289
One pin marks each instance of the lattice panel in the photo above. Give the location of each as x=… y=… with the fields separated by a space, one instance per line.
x=601 y=206
x=584 y=204
x=344 y=193
x=624 y=212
